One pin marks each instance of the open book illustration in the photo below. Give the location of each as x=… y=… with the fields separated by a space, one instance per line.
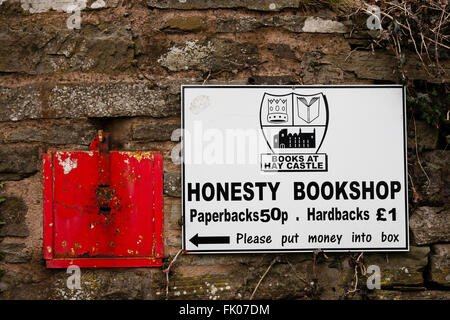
x=308 y=112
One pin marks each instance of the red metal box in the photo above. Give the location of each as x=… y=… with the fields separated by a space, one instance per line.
x=103 y=209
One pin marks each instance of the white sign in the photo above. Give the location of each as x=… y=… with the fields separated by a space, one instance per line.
x=292 y=169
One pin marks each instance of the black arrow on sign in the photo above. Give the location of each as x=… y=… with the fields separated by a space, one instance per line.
x=209 y=240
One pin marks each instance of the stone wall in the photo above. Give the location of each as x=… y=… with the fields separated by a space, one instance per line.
x=121 y=71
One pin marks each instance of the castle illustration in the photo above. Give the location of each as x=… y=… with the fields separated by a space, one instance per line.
x=283 y=139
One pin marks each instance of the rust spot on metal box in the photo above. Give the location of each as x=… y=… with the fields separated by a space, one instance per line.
x=140 y=155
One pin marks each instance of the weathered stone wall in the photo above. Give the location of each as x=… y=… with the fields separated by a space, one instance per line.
x=121 y=72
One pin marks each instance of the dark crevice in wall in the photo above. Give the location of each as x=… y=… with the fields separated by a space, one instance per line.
x=429 y=102
x=112 y=126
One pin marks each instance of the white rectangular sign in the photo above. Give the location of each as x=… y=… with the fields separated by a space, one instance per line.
x=292 y=169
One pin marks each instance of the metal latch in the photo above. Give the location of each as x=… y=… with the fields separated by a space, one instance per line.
x=104 y=192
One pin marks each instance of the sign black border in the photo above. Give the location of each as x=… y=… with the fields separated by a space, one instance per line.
x=403 y=249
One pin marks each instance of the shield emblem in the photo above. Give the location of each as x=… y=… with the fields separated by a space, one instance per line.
x=294 y=123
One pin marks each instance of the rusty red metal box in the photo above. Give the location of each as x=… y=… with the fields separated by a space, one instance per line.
x=103 y=208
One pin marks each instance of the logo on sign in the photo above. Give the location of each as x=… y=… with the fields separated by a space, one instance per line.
x=294 y=127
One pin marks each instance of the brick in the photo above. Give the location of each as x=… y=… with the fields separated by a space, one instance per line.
x=154 y=130
x=17 y=162
x=172 y=184
x=13 y=212
x=380 y=65
x=261 y=5
x=14 y=253
x=409 y=295
x=439 y=271
x=430 y=225
x=189 y=24
x=110 y=100
x=18 y=103
x=172 y=214
x=209 y=56
x=402 y=269
x=80 y=133
x=427 y=136
x=43 y=47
